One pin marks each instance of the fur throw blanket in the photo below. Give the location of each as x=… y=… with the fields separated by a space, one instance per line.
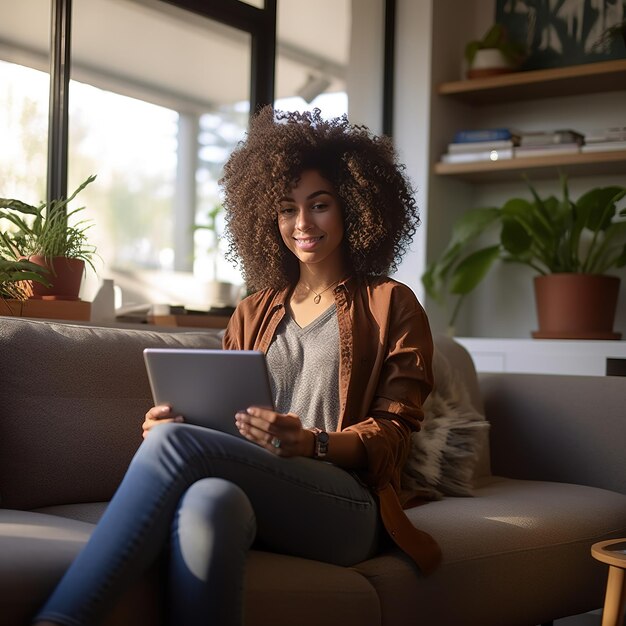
x=444 y=453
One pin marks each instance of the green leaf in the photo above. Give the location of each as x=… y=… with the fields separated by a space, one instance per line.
x=470 y=51
x=493 y=37
x=601 y=257
x=467 y=228
x=473 y=269
x=597 y=207
x=12 y=272
x=514 y=237
x=19 y=206
x=472 y=223
x=529 y=216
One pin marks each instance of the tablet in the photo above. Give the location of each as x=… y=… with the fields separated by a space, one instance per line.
x=207 y=387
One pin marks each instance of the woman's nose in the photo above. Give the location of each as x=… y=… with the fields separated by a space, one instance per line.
x=303 y=221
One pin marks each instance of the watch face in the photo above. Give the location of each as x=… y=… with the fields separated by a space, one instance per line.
x=323 y=437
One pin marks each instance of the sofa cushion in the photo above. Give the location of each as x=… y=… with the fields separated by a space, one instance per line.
x=37 y=548
x=513 y=530
x=72 y=400
x=558 y=427
x=285 y=591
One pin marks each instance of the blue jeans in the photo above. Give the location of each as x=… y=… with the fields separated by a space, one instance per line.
x=206 y=496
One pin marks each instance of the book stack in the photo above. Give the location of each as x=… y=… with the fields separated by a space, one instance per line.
x=491 y=144
x=548 y=143
x=605 y=139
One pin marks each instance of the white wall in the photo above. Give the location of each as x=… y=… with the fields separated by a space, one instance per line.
x=411 y=116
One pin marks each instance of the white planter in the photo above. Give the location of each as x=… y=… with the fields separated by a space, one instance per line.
x=487 y=62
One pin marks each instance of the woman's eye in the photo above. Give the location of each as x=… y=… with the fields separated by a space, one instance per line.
x=285 y=210
x=318 y=207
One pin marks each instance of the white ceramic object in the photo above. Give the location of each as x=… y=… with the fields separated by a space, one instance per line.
x=490 y=58
x=489 y=62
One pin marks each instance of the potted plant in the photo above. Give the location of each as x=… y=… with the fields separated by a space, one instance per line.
x=14 y=277
x=48 y=235
x=494 y=54
x=570 y=244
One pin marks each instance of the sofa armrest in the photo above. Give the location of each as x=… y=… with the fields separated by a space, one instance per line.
x=559 y=428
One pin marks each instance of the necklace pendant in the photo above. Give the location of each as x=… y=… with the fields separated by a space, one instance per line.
x=317 y=298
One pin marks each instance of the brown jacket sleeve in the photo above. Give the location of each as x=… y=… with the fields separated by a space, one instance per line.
x=402 y=386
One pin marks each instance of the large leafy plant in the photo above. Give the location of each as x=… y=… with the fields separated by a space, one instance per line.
x=550 y=235
x=48 y=230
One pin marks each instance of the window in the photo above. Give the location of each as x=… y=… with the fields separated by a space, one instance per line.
x=155 y=116
x=24 y=89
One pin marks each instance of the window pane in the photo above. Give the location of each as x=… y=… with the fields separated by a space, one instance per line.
x=24 y=88
x=311 y=70
x=155 y=118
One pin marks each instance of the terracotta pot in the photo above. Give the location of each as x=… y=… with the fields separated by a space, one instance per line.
x=576 y=306
x=65 y=275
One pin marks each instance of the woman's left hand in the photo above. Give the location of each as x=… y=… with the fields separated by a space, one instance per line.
x=279 y=433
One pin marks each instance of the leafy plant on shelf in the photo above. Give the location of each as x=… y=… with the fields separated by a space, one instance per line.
x=496 y=38
x=550 y=235
x=13 y=277
x=46 y=230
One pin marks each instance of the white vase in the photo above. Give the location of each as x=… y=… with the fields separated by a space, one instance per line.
x=103 y=305
x=488 y=62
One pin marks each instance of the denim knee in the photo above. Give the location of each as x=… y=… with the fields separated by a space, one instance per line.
x=214 y=515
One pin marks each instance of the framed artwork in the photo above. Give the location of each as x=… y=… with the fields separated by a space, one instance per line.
x=565 y=32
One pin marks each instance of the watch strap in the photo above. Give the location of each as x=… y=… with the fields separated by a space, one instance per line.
x=320 y=449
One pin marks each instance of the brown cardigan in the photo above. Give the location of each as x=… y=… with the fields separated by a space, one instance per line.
x=385 y=375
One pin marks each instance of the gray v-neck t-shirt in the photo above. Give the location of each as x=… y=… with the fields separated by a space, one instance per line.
x=303 y=366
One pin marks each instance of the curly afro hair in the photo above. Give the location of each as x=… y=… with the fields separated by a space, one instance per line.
x=379 y=210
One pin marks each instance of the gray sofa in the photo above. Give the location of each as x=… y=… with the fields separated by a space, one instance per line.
x=72 y=398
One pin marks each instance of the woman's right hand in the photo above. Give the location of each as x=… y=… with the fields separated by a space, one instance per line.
x=161 y=414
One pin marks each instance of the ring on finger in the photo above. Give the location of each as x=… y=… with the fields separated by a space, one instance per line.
x=276 y=442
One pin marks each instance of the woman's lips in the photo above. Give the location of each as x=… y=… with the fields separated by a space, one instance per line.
x=308 y=243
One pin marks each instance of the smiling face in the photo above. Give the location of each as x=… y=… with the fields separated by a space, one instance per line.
x=311 y=222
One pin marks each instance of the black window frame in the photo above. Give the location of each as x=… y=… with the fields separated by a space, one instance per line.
x=260 y=23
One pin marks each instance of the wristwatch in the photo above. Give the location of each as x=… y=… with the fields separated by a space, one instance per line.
x=321 y=443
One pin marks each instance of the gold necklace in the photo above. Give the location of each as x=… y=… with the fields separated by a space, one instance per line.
x=318 y=296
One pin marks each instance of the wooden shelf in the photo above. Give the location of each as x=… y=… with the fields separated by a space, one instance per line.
x=539 y=84
x=584 y=164
x=73 y=310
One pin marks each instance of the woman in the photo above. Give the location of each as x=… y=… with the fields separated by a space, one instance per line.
x=317 y=213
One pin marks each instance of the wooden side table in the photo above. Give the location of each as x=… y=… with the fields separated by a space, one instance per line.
x=613 y=552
